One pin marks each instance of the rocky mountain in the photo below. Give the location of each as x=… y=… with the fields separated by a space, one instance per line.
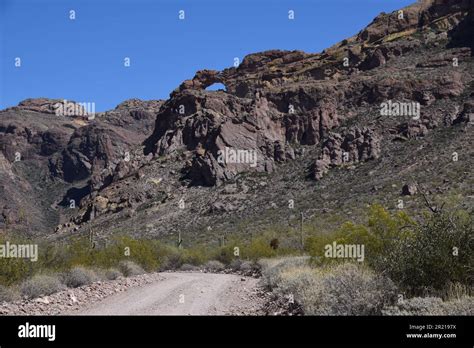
x=321 y=134
x=49 y=159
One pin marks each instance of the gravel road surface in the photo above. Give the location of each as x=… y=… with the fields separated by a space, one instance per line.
x=178 y=293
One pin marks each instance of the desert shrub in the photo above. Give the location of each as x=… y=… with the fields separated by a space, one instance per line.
x=112 y=274
x=235 y=264
x=7 y=294
x=462 y=306
x=249 y=267
x=339 y=289
x=214 y=266
x=257 y=248
x=378 y=236
x=457 y=291
x=440 y=252
x=169 y=256
x=263 y=245
x=130 y=268
x=13 y=270
x=299 y=284
x=197 y=255
x=418 y=256
x=171 y=262
x=151 y=255
x=273 y=268
x=79 y=276
x=79 y=252
x=225 y=254
x=142 y=252
x=244 y=266
x=188 y=268
x=431 y=306
x=350 y=289
x=41 y=285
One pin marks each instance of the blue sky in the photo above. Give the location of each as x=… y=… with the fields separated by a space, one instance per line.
x=83 y=59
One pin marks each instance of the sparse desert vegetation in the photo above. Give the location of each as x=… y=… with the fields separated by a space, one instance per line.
x=41 y=285
x=410 y=267
x=79 y=276
x=340 y=289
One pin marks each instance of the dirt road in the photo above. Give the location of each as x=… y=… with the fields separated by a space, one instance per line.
x=185 y=294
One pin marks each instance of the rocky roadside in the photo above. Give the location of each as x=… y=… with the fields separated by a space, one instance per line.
x=254 y=299
x=71 y=300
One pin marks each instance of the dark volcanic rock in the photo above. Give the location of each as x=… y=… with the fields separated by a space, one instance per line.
x=409 y=190
x=286 y=114
x=278 y=99
x=353 y=146
x=40 y=149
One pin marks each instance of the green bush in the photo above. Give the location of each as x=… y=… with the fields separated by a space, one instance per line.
x=440 y=252
x=225 y=254
x=198 y=255
x=379 y=235
x=257 y=248
x=14 y=270
x=150 y=255
x=418 y=256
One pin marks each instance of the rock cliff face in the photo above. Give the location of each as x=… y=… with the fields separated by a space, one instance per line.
x=278 y=100
x=45 y=154
x=352 y=147
x=396 y=100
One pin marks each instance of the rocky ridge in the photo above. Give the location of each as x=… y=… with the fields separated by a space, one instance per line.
x=155 y=168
